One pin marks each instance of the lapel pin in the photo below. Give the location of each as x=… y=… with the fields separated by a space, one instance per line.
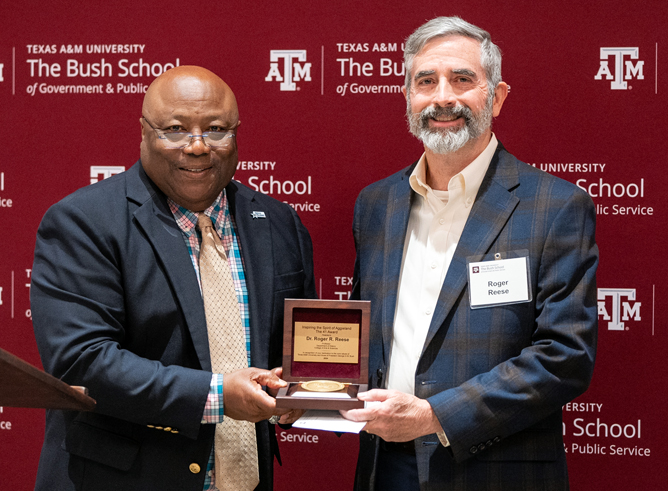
x=258 y=214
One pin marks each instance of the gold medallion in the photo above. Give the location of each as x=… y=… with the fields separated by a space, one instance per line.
x=323 y=386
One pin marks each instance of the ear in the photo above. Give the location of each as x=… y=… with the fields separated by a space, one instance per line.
x=404 y=92
x=143 y=130
x=500 y=94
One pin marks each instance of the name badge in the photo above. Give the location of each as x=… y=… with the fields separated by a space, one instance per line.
x=499 y=282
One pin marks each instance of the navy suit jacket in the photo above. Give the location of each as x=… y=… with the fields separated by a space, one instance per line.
x=117 y=308
x=496 y=377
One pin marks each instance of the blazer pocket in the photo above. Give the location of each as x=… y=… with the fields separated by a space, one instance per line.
x=101 y=446
x=289 y=281
x=534 y=445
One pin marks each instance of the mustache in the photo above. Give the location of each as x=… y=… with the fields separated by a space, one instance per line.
x=449 y=112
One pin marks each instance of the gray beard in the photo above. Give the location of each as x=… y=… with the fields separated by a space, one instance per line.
x=443 y=140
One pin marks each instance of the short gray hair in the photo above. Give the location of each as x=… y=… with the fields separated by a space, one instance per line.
x=490 y=54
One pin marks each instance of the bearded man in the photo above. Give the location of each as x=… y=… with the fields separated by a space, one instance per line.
x=481 y=271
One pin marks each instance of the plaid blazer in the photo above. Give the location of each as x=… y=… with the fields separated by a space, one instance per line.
x=496 y=377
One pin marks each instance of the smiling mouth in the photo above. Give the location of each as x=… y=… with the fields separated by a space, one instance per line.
x=445 y=119
x=195 y=171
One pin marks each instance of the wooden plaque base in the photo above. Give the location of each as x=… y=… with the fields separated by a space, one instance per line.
x=23 y=385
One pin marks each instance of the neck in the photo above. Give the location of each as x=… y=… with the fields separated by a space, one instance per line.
x=442 y=167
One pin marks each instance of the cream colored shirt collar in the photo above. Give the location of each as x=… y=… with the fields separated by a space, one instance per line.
x=470 y=178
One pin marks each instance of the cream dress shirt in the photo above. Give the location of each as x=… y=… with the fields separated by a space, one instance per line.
x=436 y=222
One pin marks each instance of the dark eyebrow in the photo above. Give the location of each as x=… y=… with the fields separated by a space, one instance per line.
x=465 y=71
x=424 y=73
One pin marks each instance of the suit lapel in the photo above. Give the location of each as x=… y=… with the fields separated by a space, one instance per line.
x=396 y=223
x=154 y=217
x=257 y=252
x=490 y=212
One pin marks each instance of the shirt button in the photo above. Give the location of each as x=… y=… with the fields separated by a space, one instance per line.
x=194 y=468
x=433 y=265
x=441 y=221
x=468 y=202
x=427 y=312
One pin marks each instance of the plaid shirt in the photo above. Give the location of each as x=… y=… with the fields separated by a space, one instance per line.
x=224 y=225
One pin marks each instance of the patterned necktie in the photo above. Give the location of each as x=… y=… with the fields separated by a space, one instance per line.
x=235 y=445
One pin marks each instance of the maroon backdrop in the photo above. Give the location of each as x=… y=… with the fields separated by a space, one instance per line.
x=587 y=104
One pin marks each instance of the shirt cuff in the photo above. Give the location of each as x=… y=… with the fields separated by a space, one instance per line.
x=443 y=439
x=213 y=409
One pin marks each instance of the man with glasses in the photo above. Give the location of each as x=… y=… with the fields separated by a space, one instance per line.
x=480 y=270
x=125 y=304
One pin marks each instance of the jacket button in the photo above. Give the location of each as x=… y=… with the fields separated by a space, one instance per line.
x=379 y=373
x=194 y=468
x=481 y=447
x=167 y=429
x=473 y=449
x=496 y=439
x=489 y=443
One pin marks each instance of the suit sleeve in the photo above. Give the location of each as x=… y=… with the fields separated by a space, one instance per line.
x=82 y=327
x=558 y=363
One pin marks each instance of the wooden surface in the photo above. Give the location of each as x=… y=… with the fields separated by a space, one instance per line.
x=23 y=385
x=285 y=400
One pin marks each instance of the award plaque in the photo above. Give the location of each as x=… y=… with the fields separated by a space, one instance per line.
x=325 y=354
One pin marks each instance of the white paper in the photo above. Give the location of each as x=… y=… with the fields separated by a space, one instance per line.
x=317 y=419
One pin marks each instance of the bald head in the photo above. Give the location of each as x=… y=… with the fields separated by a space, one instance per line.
x=192 y=82
x=192 y=100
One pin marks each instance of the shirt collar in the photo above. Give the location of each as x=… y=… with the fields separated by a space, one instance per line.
x=470 y=178
x=187 y=220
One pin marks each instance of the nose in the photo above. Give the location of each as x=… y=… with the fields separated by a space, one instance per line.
x=196 y=146
x=444 y=94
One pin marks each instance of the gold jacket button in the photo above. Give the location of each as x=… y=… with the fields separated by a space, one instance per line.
x=194 y=468
x=167 y=429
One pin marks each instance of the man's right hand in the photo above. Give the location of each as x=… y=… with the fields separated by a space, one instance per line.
x=245 y=399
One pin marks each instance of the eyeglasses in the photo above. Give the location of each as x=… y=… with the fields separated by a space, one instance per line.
x=181 y=139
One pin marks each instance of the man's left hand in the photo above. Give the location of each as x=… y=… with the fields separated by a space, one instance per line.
x=399 y=417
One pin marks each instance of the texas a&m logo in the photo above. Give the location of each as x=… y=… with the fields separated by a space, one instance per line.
x=292 y=70
x=620 y=307
x=624 y=68
x=100 y=172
